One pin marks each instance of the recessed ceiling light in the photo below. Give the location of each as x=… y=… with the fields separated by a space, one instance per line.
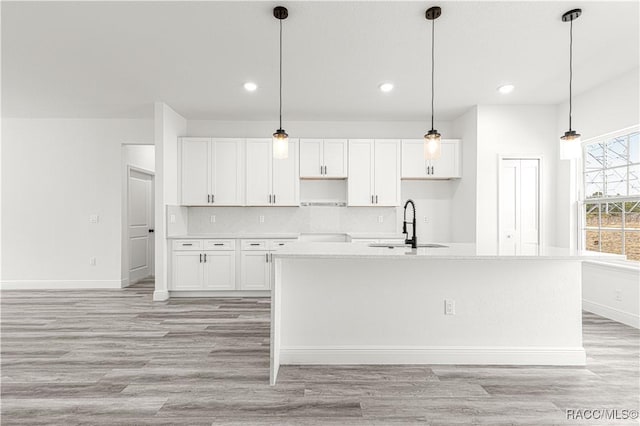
x=386 y=87
x=250 y=86
x=506 y=88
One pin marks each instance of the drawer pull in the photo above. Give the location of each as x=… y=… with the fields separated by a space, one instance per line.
x=218 y=244
x=186 y=244
x=254 y=244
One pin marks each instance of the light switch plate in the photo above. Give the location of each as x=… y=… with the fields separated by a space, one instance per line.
x=261 y=219
x=172 y=218
x=92 y=261
x=94 y=218
x=449 y=307
x=212 y=218
x=380 y=219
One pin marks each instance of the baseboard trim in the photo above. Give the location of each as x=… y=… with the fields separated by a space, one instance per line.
x=160 y=295
x=61 y=284
x=434 y=355
x=614 y=314
x=221 y=293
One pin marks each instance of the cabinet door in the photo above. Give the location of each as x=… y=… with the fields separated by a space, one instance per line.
x=226 y=172
x=310 y=158
x=335 y=158
x=254 y=270
x=194 y=171
x=220 y=270
x=360 y=182
x=187 y=271
x=258 y=172
x=413 y=163
x=448 y=165
x=286 y=178
x=387 y=173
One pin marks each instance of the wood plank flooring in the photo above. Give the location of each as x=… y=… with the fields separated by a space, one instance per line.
x=116 y=357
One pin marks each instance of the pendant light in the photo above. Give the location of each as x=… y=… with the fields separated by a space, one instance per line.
x=432 y=144
x=280 y=137
x=570 y=147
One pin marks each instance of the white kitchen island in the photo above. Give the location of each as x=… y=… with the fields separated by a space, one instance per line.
x=341 y=303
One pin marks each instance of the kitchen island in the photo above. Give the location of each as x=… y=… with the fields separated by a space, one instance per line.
x=341 y=303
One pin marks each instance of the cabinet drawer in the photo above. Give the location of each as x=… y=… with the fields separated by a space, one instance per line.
x=254 y=245
x=187 y=245
x=222 y=245
x=276 y=244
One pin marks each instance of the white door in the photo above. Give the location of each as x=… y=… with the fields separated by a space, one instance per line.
x=219 y=270
x=195 y=171
x=254 y=270
x=226 y=172
x=311 y=158
x=519 y=202
x=187 y=270
x=335 y=158
x=360 y=181
x=140 y=225
x=258 y=172
x=447 y=165
x=286 y=178
x=387 y=173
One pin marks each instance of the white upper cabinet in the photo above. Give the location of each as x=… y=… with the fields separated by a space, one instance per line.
x=374 y=172
x=414 y=165
x=269 y=181
x=211 y=172
x=323 y=158
x=195 y=171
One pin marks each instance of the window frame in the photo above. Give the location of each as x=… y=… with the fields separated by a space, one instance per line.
x=603 y=200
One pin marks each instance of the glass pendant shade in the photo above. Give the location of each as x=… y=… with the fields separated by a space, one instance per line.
x=280 y=145
x=570 y=146
x=432 y=145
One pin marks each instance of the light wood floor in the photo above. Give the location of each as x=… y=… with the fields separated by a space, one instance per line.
x=115 y=357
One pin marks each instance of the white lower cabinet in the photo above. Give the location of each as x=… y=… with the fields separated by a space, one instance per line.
x=196 y=270
x=255 y=270
x=216 y=265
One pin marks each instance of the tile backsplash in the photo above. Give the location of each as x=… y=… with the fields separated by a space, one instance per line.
x=310 y=219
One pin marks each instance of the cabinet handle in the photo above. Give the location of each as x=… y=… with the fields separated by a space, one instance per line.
x=274 y=198
x=200 y=257
x=269 y=198
x=213 y=198
x=372 y=199
x=431 y=169
x=376 y=199
x=271 y=257
x=208 y=198
x=205 y=258
x=321 y=170
x=266 y=257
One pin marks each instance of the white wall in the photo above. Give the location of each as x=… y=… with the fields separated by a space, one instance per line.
x=515 y=130
x=143 y=157
x=168 y=127
x=55 y=173
x=317 y=129
x=607 y=108
x=464 y=199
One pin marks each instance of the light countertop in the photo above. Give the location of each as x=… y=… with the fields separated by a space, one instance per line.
x=453 y=251
x=240 y=235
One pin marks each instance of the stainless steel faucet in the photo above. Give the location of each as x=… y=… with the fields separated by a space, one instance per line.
x=414 y=240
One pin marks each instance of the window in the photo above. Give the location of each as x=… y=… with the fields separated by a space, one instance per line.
x=611 y=171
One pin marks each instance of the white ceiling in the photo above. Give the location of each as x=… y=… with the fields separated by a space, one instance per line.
x=99 y=59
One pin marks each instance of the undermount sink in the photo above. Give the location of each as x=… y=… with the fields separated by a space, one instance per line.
x=394 y=245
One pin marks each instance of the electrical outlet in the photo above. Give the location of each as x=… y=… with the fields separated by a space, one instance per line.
x=261 y=219
x=424 y=219
x=380 y=219
x=619 y=295
x=92 y=261
x=449 y=307
x=212 y=218
x=172 y=218
x=94 y=218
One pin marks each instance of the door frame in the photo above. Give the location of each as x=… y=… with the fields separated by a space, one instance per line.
x=151 y=253
x=540 y=159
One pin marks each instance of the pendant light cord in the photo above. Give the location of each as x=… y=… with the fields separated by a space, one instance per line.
x=570 y=69
x=433 y=24
x=280 y=74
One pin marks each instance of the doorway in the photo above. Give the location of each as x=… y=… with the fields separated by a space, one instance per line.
x=140 y=224
x=519 y=201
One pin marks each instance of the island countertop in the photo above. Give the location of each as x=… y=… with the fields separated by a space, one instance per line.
x=452 y=251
